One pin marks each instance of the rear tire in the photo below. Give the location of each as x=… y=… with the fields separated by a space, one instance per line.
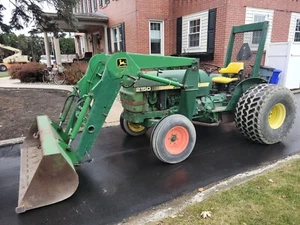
x=132 y=129
x=265 y=113
x=173 y=139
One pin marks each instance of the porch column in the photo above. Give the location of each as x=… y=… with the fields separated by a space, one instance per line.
x=57 y=52
x=106 y=39
x=86 y=44
x=47 y=50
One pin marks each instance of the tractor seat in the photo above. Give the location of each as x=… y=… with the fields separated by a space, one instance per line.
x=223 y=80
x=232 y=68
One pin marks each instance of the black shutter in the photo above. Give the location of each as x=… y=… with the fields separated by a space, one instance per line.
x=179 y=36
x=109 y=40
x=212 y=17
x=123 y=48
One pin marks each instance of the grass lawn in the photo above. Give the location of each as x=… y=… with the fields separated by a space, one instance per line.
x=272 y=198
x=4 y=74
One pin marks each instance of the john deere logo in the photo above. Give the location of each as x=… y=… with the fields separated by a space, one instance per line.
x=122 y=63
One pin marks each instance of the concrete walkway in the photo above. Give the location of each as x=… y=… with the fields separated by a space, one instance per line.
x=113 y=116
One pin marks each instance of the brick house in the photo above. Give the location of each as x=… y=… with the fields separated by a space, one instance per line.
x=196 y=28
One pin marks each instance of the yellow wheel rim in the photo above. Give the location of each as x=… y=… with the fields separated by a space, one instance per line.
x=277 y=116
x=135 y=127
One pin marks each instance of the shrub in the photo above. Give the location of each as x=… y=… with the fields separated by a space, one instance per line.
x=13 y=71
x=29 y=72
x=75 y=72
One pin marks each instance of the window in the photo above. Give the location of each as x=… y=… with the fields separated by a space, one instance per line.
x=256 y=35
x=95 y=7
x=297 y=31
x=294 y=31
x=256 y=15
x=90 y=6
x=121 y=39
x=79 y=7
x=117 y=38
x=156 y=37
x=103 y=3
x=84 y=6
x=194 y=33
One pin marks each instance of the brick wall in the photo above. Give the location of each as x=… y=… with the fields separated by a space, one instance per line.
x=137 y=13
x=186 y=7
x=124 y=11
x=232 y=13
x=154 y=10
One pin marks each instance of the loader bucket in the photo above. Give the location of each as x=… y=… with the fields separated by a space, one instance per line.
x=47 y=174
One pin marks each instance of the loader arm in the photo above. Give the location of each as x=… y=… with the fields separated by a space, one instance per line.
x=102 y=82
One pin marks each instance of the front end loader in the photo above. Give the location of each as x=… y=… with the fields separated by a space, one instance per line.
x=170 y=95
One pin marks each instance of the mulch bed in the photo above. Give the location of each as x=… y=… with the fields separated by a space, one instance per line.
x=19 y=108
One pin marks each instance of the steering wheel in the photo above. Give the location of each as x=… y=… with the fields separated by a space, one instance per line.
x=208 y=68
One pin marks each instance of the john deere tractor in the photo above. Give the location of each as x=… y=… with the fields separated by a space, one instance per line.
x=156 y=94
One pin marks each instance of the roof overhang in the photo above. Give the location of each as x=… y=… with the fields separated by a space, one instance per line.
x=86 y=22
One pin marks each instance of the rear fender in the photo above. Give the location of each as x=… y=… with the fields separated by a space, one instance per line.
x=240 y=89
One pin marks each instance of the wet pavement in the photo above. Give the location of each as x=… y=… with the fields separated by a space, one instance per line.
x=125 y=177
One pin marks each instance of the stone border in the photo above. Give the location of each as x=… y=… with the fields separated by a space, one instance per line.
x=12 y=141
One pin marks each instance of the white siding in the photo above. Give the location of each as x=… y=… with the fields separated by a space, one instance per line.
x=294 y=17
x=203 y=16
x=250 y=12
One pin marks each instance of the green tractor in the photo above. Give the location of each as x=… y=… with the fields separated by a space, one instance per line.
x=263 y=112
x=170 y=94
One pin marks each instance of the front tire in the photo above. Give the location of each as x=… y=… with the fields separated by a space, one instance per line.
x=173 y=139
x=265 y=113
x=132 y=129
x=3 y=68
x=59 y=78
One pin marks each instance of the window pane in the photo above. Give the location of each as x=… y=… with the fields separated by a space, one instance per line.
x=95 y=5
x=155 y=26
x=297 y=37
x=115 y=35
x=259 y=18
x=155 y=46
x=194 y=33
x=90 y=6
x=298 y=25
x=116 y=46
x=195 y=26
x=121 y=39
x=194 y=40
x=256 y=37
x=155 y=37
x=257 y=34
